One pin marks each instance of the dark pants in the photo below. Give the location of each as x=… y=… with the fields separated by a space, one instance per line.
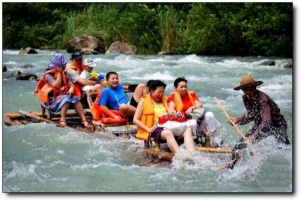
x=280 y=134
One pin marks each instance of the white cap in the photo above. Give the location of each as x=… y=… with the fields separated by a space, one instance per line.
x=89 y=62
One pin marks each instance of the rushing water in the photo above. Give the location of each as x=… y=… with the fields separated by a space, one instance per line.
x=44 y=158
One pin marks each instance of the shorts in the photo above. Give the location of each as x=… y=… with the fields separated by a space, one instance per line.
x=132 y=87
x=156 y=134
x=133 y=102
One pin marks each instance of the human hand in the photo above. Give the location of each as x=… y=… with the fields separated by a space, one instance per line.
x=70 y=91
x=189 y=110
x=117 y=118
x=60 y=69
x=249 y=139
x=151 y=129
x=172 y=113
x=232 y=120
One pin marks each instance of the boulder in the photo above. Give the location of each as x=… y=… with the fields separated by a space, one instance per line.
x=121 y=47
x=27 y=66
x=86 y=44
x=88 y=51
x=26 y=76
x=14 y=74
x=27 y=50
x=4 y=68
x=22 y=76
x=289 y=64
x=268 y=62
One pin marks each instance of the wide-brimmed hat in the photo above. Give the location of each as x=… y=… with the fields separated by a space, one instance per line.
x=247 y=81
x=76 y=55
x=89 y=62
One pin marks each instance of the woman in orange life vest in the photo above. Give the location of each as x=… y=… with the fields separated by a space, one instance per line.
x=150 y=108
x=59 y=91
x=185 y=102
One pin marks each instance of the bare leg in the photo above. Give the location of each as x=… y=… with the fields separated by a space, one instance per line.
x=79 y=109
x=63 y=111
x=127 y=110
x=96 y=88
x=171 y=142
x=188 y=139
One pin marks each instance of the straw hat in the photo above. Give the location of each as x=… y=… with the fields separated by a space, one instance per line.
x=247 y=81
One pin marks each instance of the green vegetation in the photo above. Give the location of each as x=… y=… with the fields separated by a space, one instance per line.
x=180 y=28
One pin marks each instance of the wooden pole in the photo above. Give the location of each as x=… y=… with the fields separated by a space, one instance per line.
x=33 y=116
x=235 y=126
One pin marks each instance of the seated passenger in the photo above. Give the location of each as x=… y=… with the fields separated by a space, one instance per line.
x=57 y=92
x=114 y=98
x=86 y=74
x=73 y=72
x=185 y=101
x=150 y=108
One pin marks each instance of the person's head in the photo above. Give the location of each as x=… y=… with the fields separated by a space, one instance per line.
x=89 y=64
x=248 y=85
x=57 y=61
x=149 y=82
x=180 y=86
x=157 y=90
x=76 y=58
x=112 y=79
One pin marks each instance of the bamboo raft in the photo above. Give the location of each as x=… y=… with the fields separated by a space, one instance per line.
x=154 y=151
x=73 y=121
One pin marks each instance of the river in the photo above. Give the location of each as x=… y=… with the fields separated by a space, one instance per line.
x=44 y=158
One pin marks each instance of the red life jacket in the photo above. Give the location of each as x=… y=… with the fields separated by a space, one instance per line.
x=44 y=89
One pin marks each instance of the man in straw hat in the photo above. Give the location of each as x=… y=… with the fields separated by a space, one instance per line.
x=265 y=114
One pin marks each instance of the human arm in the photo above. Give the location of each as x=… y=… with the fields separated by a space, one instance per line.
x=84 y=82
x=171 y=106
x=171 y=109
x=58 y=81
x=197 y=104
x=76 y=78
x=71 y=88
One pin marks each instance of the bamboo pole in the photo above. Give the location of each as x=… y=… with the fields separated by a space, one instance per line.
x=33 y=116
x=235 y=126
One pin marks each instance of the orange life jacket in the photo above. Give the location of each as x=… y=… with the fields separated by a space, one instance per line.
x=147 y=117
x=77 y=86
x=43 y=88
x=98 y=114
x=178 y=102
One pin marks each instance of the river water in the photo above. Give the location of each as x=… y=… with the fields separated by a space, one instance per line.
x=44 y=158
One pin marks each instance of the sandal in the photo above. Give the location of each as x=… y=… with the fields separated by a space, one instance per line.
x=63 y=123
x=85 y=124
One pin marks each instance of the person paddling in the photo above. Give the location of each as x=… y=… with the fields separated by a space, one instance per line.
x=265 y=114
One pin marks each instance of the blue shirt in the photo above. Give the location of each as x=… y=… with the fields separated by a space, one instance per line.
x=113 y=97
